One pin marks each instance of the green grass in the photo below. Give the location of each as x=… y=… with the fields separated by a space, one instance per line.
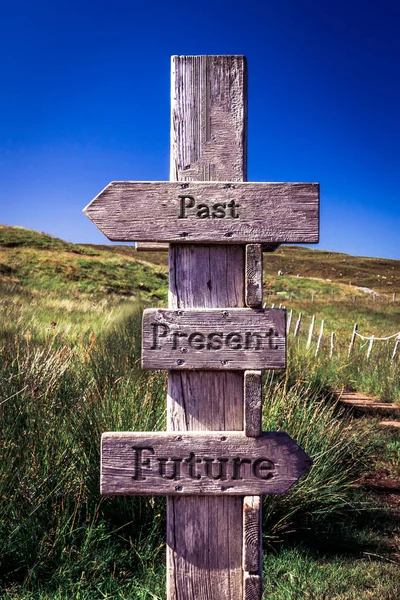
x=69 y=356
x=302 y=574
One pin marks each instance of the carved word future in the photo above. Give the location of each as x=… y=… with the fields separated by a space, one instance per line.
x=213 y=341
x=189 y=208
x=146 y=462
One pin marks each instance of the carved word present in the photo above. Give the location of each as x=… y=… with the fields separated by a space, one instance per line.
x=231 y=339
x=200 y=463
x=214 y=212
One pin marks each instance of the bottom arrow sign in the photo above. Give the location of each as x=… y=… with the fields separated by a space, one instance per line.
x=197 y=463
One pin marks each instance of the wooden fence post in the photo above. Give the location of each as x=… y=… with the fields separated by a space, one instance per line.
x=320 y=337
x=289 y=322
x=353 y=337
x=297 y=328
x=332 y=344
x=371 y=342
x=310 y=332
x=396 y=345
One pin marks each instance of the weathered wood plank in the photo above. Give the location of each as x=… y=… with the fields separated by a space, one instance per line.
x=252 y=538
x=229 y=339
x=208 y=142
x=214 y=212
x=253 y=403
x=197 y=464
x=252 y=587
x=149 y=247
x=254 y=276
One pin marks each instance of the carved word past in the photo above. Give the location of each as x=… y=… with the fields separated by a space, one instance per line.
x=188 y=207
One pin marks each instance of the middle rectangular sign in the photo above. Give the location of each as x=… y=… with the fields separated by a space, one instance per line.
x=224 y=339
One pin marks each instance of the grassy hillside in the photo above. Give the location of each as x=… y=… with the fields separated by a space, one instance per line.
x=44 y=262
x=39 y=262
x=379 y=274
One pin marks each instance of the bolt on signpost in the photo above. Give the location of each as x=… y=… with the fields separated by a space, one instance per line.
x=214 y=462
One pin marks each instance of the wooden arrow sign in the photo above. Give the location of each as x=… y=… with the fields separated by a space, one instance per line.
x=199 y=463
x=214 y=212
x=225 y=339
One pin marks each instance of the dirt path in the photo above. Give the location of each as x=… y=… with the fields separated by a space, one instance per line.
x=363 y=401
x=383 y=480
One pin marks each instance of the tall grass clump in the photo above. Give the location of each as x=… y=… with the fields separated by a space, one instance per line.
x=55 y=529
x=323 y=430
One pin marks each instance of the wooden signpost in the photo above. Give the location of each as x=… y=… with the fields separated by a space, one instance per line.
x=214 y=461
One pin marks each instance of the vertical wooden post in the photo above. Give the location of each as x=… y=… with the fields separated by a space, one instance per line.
x=289 y=322
x=332 y=344
x=321 y=331
x=297 y=328
x=254 y=276
x=371 y=343
x=252 y=505
x=208 y=142
x=310 y=332
x=396 y=345
x=353 y=337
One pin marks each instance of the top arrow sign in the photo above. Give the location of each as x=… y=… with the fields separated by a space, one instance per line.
x=213 y=212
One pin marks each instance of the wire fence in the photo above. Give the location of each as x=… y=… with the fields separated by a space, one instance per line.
x=335 y=341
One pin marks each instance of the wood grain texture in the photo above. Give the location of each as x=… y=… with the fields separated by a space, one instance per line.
x=209 y=118
x=149 y=247
x=252 y=587
x=213 y=212
x=253 y=403
x=228 y=339
x=252 y=538
x=254 y=276
x=208 y=142
x=201 y=464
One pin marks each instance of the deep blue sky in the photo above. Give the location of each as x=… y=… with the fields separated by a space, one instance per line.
x=84 y=100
